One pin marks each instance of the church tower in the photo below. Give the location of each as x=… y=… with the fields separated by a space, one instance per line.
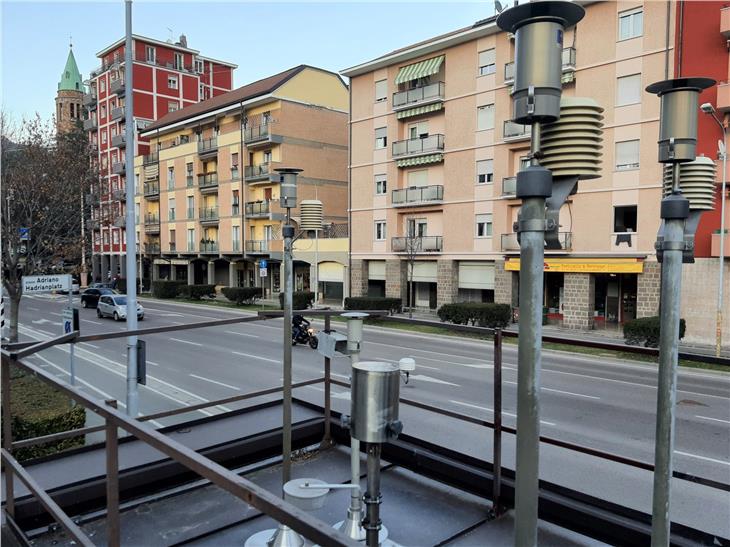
x=69 y=95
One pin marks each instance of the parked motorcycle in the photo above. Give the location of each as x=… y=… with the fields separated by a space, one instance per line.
x=302 y=332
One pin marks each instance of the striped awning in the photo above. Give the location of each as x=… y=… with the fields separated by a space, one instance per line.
x=420 y=160
x=419 y=70
x=419 y=110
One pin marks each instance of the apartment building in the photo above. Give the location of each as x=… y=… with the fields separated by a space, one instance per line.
x=208 y=192
x=167 y=76
x=434 y=156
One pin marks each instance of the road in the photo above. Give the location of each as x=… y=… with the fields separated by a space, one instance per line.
x=606 y=404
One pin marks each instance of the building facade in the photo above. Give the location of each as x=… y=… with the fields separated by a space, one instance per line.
x=166 y=77
x=434 y=156
x=69 y=95
x=208 y=193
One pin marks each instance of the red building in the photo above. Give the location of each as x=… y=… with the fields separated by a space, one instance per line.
x=167 y=76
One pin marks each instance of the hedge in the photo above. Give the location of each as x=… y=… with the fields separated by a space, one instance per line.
x=477 y=313
x=646 y=330
x=196 y=292
x=393 y=305
x=166 y=288
x=122 y=284
x=242 y=295
x=301 y=300
x=38 y=409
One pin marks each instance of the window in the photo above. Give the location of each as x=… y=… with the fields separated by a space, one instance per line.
x=102 y=84
x=625 y=218
x=381 y=185
x=170 y=178
x=484 y=225
x=172 y=82
x=418 y=178
x=268 y=232
x=627 y=155
x=236 y=237
x=136 y=183
x=485 y=171
x=418 y=130
x=381 y=91
x=485 y=117
x=172 y=240
x=172 y=106
x=630 y=24
x=191 y=239
x=198 y=65
x=171 y=209
x=103 y=111
x=191 y=207
x=381 y=138
x=267 y=156
x=235 y=203
x=189 y=174
x=178 y=64
x=486 y=62
x=380 y=230
x=115 y=237
x=234 y=166
x=106 y=238
x=628 y=90
x=103 y=137
x=136 y=213
x=524 y=162
x=150 y=54
x=417 y=227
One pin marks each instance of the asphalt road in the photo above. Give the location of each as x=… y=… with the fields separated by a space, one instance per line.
x=598 y=402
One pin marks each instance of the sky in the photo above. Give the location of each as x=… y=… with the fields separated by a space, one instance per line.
x=262 y=38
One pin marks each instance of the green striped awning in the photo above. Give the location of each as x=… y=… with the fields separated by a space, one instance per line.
x=419 y=70
x=420 y=160
x=419 y=110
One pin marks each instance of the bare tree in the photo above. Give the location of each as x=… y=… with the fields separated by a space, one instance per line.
x=44 y=176
x=413 y=247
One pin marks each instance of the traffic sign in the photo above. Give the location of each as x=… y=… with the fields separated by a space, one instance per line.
x=24 y=234
x=263 y=272
x=46 y=283
x=70 y=320
x=263 y=264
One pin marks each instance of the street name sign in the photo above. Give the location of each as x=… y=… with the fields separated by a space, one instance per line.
x=34 y=284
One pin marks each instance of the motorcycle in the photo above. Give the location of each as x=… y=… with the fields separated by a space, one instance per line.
x=302 y=332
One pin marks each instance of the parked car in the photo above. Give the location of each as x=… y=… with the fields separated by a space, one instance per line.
x=115 y=306
x=90 y=297
x=100 y=285
x=75 y=287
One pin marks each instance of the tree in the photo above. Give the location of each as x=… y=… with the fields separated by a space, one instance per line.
x=45 y=177
x=413 y=247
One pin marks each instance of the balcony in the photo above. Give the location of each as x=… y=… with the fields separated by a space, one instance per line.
x=258 y=173
x=257 y=209
x=419 y=96
x=119 y=141
x=417 y=245
x=568 y=64
x=152 y=190
x=509 y=73
x=723 y=97
x=152 y=223
x=119 y=168
x=117 y=86
x=208 y=247
x=208 y=147
x=512 y=131
x=260 y=135
x=257 y=246
x=208 y=182
x=725 y=22
x=509 y=242
x=173 y=247
x=117 y=113
x=152 y=248
x=90 y=124
x=119 y=221
x=623 y=241
x=509 y=186
x=89 y=100
x=208 y=215
x=418 y=147
x=421 y=195
x=148 y=159
x=119 y=194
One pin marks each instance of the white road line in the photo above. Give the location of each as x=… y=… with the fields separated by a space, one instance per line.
x=396 y=362
x=345 y=395
x=214 y=381
x=544 y=422
x=346 y=376
x=153 y=363
x=34 y=309
x=559 y=391
x=55 y=313
x=90 y=321
x=241 y=334
x=713 y=419
x=432 y=380
x=184 y=341
x=256 y=357
x=90 y=345
x=452 y=362
x=723 y=462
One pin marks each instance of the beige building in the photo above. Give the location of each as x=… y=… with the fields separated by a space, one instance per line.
x=434 y=157
x=208 y=196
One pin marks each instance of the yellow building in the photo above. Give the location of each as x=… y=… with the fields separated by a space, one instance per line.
x=208 y=196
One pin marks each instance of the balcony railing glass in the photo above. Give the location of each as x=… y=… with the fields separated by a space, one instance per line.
x=208 y=214
x=256 y=208
x=152 y=218
x=512 y=130
x=153 y=157
x=509 y=186
x=117 y=113
x=418 y=195
x=430 y=92
x=208 y=180
x=256 y=133
x=151 y=189
x=424 y=145
x=417 y=245
x=209 y=247
x=206 y=146
x=257 y=246
x=254 y=171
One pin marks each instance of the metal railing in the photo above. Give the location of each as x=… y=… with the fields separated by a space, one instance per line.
x=189 y=181
x=257 y=208
x=508 y=242
x=151 y=189
x=257 y=133
x=515 y=131
x=118 y=168
x=152 y=157
x=119 y=141
x=236 y=245
x=90 y=124
x=89 y=99
x=417 y=245
x=255 y=171
x=432 y=143
x=426 y=93
x=191 y=213
x=417 y=195
x=509 y=186
x=207 y=146
x=208 y=214
x=152 y=218
x=207 y=247
x=117 y=113
x=257 y=245
x=152 y=248
x=117 y=86
x=173 y=247
x=208 y=180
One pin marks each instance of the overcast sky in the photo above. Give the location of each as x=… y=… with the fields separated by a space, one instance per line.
x=262 y=38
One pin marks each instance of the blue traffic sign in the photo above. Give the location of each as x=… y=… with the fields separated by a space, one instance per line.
x=262 y=264
x=24 y=234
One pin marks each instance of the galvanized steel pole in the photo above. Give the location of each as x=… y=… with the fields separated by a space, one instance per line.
x=288 y=233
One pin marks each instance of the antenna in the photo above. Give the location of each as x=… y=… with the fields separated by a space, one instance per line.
x=170 y=39
x=498 y=7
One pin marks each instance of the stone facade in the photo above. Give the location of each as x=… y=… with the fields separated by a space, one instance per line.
x=359 y=277
x=579 y=291
x=699 y=301
x=447 y=289
x=396 y=279
x=505 y=285
x=648 y=288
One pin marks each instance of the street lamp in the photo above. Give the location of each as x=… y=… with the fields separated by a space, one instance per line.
x=708 y=109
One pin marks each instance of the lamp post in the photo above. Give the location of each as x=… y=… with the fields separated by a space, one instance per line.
x=708 y=109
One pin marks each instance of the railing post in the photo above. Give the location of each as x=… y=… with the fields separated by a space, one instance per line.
x=327 y=394
x=497 y=432
x=7 y=438
x=112 y=480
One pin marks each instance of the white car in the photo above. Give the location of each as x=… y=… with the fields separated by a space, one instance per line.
x=115 y=305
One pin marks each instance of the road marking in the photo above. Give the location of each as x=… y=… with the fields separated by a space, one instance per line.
x=340 y=375
x=713 y=419
x=397 y=363
x=241 y=334
x=40 y=321
x=544 y=422
x=451 y=362
x=432 y=380
x=559 y=391
x=34 y=309
x=701 y=457
x=256 y=357
x=184 y=342
x=90 y=345
x=55 y=313
x=345 y=395
x=94 y=322
x=214 y=382
x=153 y=363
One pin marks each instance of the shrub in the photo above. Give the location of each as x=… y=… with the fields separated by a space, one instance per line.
x=196 y=292
x=301 y=300
x=242 y=295
x=122 y=284
x=393 y=305
x=477 y=313
x=166 y=289
x=646 y=330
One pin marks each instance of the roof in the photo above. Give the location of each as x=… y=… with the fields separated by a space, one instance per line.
x=71 y=79
x=172 y=45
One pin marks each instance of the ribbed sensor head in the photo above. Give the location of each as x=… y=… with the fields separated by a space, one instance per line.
x=311 y=214
x=697 y=182
x=572 y=146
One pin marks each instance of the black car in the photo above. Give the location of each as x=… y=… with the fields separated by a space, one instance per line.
x=90 y=297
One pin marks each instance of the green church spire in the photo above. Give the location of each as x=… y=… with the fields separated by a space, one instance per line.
x=71 y=77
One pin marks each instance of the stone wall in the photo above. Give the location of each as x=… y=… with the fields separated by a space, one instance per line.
x=359 y=277
x=699 y=301
x=648 y=288
x=396 y=280
x=447 y=289
x=579 y=294
x=505 y=285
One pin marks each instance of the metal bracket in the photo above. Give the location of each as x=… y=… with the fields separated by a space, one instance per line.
x=532 y=225
x=562 y=188
x=531 y=100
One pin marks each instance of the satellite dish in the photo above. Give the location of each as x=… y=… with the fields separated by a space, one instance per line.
x=498 y=8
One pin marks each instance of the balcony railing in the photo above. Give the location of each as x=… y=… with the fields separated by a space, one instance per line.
x=509 y=241
x=119 y=194
x=424 y=145
x=118 y=168
x=207 y=247
x=152 y=248
x=257 y=171
x=509 y=72
x=152 y=218
x=151 y=189
x=515 y=131
x=117 y=86
x=117 y=113
x=405 y=197
x=191 y=247
x=208 y=180
x=171 y=214
x=425 y=94
x=89 y=100
x=509 y=186
x=151 y=158
x=257 y=246
x=236 y=245
x=417 y=245
x=189 y=181
x=257 y=208
x=208 y=146
x=568 y=64
x=119 y=141
x=208 y=214
x=90 y=124
x=120 y=221
x=257 y=133
x=173 y=247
